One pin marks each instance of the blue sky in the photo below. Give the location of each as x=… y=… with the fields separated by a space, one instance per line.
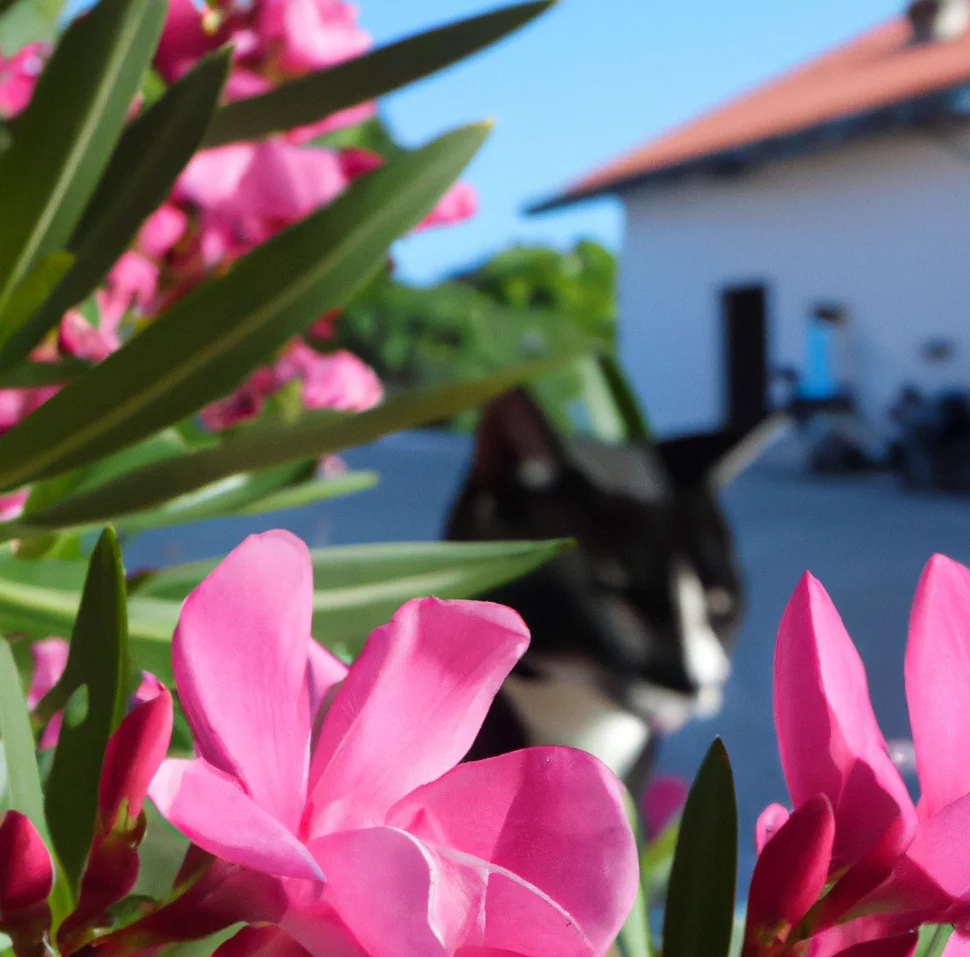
x=590 y=79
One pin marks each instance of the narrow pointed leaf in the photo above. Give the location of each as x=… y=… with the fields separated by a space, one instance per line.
x=23 y=778
x=270 y=491
x=149 y=157
x=249 y=495
x=23 y=788
x=625 y=399
x=28 y=21
x=364 y=78
x=634 y=939
x=699 y=918
x=933 y=939
x=96 y=673
x=32 y=375
x=211 y=339
x=66 y=136
x=307 y=493
x=32 y=291
x=265 y=445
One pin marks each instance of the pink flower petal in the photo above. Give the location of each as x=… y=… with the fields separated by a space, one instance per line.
x=310 y=34
x=12 y=506
x=210 y=808
x=243 y=83
x=162 y=230
x=662 y=801
x=937 y=852
x=532 y=815
x=458 y=204
x=264 y=941
x=410 y=707
x=212 y=177
x=338 y=380
x=18 y=77
x=769 y=821
x=901 y=946
x=183 y=39
x=324 y=672
x=284 y=183
x=479 y=905
x=77 y=337
x=133 y=279
x=937 y=683
x=380 y=885
x=26 y=872
x=828 y=736
x=240 y=659
x=50 y=660
x=790 y=874
x=133 y=756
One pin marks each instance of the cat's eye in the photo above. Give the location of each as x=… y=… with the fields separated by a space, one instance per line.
x=719 y=601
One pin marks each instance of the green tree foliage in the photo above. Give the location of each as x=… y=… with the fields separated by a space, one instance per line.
x=527 y=302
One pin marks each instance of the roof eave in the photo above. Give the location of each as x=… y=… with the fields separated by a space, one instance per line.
x=942 y=105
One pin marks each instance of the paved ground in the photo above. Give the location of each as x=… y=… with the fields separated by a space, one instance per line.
x=865 y=538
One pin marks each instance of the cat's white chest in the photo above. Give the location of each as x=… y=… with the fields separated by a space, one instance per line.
x=562 y=712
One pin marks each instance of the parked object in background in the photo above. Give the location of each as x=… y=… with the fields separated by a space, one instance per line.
x=933 y=447
x=809 y=222
x=631 y=630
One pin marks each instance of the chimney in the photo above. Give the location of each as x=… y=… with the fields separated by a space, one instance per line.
x=934 y=20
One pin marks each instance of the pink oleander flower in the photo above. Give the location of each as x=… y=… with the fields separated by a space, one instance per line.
x=132 y=758
x=77 y=337
x=243 y=404
x=457 y=205
x=18 y=77
x=12 y=506
x=17 y=404
x=323 y=328
x=304 y=35
x=162 y=230
x=247 y=192
x=132 y=282
x=895 y=865
x=343 y=785
x=26 y=880
x=337 y=380
x=184 y=39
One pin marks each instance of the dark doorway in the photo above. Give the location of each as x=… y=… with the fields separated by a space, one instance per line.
x=745 y=355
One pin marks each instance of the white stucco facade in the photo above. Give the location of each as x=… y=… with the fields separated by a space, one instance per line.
x=879 y=226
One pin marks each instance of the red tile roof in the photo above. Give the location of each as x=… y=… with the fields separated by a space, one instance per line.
x=877 y=70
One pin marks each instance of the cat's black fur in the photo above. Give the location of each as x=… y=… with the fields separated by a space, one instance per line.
x=644 y=517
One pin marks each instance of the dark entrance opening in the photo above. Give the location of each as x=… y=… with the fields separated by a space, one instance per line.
x=745 y=355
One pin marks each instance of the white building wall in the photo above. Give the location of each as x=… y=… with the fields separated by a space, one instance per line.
x=881 y=227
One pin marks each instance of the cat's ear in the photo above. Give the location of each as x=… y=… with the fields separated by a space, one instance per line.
x=716 y=459
x=516 y=443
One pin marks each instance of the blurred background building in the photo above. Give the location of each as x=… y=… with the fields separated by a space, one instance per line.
x=807 y=236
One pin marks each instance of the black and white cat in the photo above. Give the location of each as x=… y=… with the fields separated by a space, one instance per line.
x=632 y=629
